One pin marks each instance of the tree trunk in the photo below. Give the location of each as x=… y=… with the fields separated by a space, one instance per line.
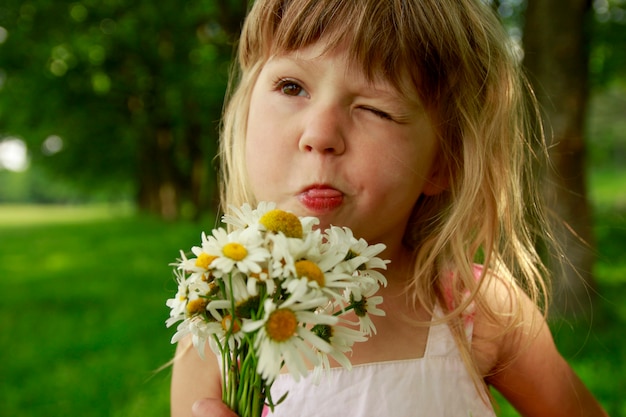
x=556 y=55
x=158 y=191
x=174 y=176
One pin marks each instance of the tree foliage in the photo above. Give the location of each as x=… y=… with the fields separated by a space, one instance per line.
x=134 y=90
x=606 y=31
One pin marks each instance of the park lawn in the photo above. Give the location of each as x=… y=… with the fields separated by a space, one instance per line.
x=83 y=309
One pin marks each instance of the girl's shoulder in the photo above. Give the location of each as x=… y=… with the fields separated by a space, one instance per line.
x=515 y=352
x=506 y=322
x=492 y=308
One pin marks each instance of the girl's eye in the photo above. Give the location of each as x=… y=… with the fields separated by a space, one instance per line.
x=290 y=88
x=379 y=113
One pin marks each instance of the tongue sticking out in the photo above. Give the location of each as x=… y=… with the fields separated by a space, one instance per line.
x=321 y=198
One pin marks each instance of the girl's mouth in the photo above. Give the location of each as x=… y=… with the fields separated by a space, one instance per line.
x=321 y=198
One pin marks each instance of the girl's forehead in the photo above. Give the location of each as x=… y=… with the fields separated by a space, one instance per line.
x=377 y=79
x=387 y=40
x=377 y=55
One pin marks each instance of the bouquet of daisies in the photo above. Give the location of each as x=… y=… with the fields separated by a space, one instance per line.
x=275 y=292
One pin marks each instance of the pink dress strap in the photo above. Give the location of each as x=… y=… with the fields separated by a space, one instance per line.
x=470 y=311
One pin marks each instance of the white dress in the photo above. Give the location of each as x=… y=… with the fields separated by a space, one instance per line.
x=436 y=385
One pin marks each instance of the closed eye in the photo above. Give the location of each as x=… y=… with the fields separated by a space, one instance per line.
x=379 y=113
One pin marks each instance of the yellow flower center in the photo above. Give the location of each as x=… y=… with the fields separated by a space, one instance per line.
x=235 y=251
x=227 y=323
x=204 y=260
x=306 y=268
x=197 y=307
x=282 y=221
x=281 y=325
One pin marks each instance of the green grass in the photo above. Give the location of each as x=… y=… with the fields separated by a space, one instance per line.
x=25 y=215
x=82 y=311
x=83 y=307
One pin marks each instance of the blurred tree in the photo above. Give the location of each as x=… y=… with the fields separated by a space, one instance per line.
x=569 y=46
x=119 y=94
x=556 y=55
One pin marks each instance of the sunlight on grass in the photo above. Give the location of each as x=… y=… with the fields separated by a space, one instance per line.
x=83 y=311
x=15 y=215
x=608 y=189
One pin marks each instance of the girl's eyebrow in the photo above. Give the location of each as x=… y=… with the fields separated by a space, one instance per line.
x=370 y=89
x=392 y=95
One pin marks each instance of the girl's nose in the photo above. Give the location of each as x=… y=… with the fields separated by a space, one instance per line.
x=323 y=132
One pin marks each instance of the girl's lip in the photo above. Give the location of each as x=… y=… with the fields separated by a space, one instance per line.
x=321 y=198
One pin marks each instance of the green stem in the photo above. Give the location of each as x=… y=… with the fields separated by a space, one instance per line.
x=243 y=388
x=345 y=310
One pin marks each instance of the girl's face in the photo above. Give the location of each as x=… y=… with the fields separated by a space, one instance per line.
x=324 y=141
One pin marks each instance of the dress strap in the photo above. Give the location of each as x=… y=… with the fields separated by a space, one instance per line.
x=440 y=339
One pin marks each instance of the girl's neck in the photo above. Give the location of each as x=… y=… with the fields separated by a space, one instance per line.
x=399 y=270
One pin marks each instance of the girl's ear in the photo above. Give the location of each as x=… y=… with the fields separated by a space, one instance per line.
x=439 y=177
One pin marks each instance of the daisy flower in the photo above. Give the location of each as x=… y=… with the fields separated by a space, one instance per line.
x=341 y=340
x=309 y=224
x=261 y=278
x=200 y=264
x=196 y=322
x=236 y=294
x=284 y=337
x=283 y=255
x=190 y=293
x=286 y=251
x=178 y=304
x=200 y=330
x=303 y=258
x=226 y=331
x=359 y=255
x=280 y=221
x=331 y=283
x=241 y=249
x=364 y=305
x=244 y=216
x=274 y=290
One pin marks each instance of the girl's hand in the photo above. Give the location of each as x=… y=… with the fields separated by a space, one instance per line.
x=211 y=407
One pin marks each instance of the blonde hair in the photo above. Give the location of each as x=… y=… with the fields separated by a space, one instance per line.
x=460 y=65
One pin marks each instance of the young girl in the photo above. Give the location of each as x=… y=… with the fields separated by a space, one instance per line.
x=404 y=120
